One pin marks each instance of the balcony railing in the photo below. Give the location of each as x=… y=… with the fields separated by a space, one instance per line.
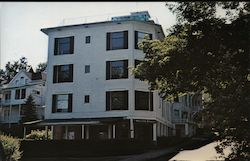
x=4 y=102
x=11 y=119
x=179 y=120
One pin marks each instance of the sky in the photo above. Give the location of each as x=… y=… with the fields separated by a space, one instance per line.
x=20 y=23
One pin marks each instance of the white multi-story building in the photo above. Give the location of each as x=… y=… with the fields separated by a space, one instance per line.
x=15 y=93
x=184 y=111
x=91 y=90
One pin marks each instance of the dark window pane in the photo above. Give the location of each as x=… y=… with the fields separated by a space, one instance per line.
x=117 y=40
x=117 y=100
x=17 y=95
x=64 y=45
x=139 y=36
x=117 y=69
x=143 y=101
x=23 y=93
x=86 y=99
x=137 y=62
x=63 y=73
x=62 y=103
x=87 y=68
x=87 y=39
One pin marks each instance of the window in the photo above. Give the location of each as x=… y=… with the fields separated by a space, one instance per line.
x=184 y=115
x=176 y=113
x=143 y=101
x=116 y=100
x=116 y=69
x=23 y=93
x=176 y=99
x=20 y=93
x=17 y=94
x=139 y=36
x=63 y=73
x=64 y=46
x=137 y=62
x=62 y=103
x=86 y=99
x=87 y=68
x=117 y=40
x=87 y=39
x=7 y=95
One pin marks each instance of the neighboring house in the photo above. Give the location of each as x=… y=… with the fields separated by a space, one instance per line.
x=91 y=91
x=184 y=110
x=13 y=96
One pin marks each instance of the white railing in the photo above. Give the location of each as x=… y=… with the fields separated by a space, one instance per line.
x=96 y=18
x=179 y=120
x=11 y=119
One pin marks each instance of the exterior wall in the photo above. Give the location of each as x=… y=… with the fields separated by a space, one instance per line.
x=186 y=126
x=95 y=83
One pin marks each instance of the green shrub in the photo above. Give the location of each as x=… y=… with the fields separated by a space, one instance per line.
x=39 y=135
x=11 y=147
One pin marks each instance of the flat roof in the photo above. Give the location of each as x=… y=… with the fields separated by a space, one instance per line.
x=45 y=30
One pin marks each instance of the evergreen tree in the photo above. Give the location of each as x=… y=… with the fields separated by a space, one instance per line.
x=29 y=110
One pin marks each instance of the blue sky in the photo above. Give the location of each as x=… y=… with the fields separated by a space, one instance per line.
x=20 y=23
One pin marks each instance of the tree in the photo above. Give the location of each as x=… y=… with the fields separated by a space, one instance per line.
x=29 y=110
x=208 y=53
x=11 y=69
x=41 y=67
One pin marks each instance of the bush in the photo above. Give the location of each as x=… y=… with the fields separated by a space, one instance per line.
x=11 y=147
x=39 y=135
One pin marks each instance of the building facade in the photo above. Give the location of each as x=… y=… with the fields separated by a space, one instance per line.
x=91 y=90
x=15 y=93
x=184 y=112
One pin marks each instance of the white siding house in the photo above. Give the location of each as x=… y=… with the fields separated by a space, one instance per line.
x=14 y=94
x=91 y=91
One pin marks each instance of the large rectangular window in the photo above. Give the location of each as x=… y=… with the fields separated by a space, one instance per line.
x=63 y=73
x=137 y=62
x=17 y=94
x=139 y=36
x=7 y=95
x=64 y=45
x=61 y=103
x=20 y=93
x=23 y=93
x=143 y=100
x=116 y=100
x=117 y=40
x=116 y=69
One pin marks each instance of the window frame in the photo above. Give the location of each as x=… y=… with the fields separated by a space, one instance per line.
x=87 y=99
x=149 y=104
x=109 y=70
x=87 y=39
x=137 y=40
x=137 y=62
x=109 y=40
x=55 y=103
x=57 y=45
x=85 y=69
x=56 y=71
x=111 y=95
x=17 y=94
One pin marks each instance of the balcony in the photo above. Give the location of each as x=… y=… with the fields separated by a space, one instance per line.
x=4 y=102
x=11 y=119
x=182 y=121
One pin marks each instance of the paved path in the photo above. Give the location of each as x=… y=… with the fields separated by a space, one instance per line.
x=150 y=155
